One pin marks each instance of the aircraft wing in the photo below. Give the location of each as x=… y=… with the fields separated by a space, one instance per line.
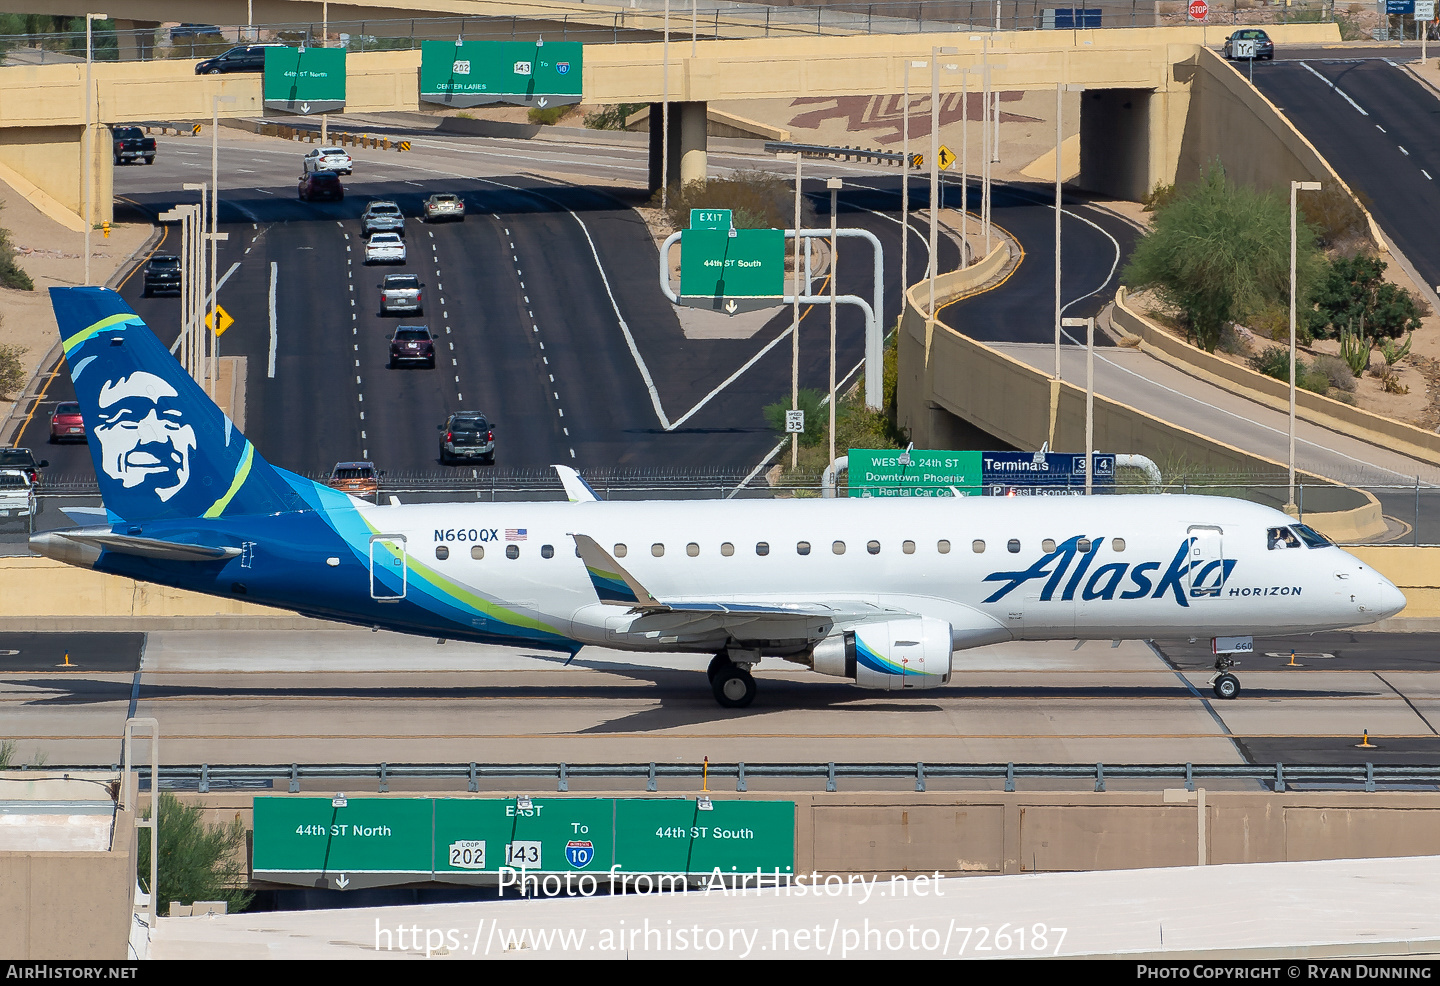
x=617 y=587
x=127 y=544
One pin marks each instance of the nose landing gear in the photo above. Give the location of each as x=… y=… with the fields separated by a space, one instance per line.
x=1225 y=684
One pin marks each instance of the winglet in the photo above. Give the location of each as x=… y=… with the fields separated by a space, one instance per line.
x=576 y=488
x=613 y=584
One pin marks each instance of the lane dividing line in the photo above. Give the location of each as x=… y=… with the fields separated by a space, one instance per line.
x=274 y=327
x=1343 y=94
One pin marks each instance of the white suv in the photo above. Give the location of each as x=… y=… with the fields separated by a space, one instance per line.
x=329 y=159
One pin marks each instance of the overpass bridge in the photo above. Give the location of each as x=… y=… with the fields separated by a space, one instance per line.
x=1154 y=108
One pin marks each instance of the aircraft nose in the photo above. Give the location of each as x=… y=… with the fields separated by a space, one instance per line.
x=1388 y=599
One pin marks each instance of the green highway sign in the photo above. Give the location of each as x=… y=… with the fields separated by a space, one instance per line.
x=304 y=80
x=732 y=270
x=710 y=219
x=345 y=843
x=890 y=472
x=366 y=842
x=526 y=73
x=675 y=836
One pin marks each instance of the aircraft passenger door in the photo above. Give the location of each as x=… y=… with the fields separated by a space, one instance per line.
x=388 y=567
x=1206 y=572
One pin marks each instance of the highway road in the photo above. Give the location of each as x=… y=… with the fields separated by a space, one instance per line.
x=545 y=302
x=351 y=696
x=1377 y=126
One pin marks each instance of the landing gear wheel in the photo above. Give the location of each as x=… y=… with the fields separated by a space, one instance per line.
x=733 y=687
x=1227 y=686
x=717 y=663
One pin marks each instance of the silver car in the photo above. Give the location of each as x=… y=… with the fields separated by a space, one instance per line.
x=382 y=217
x=385 y=248
x=444 y=205
x=402 y=293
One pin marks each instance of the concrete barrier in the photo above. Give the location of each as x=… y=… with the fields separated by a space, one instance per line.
x=944 y=372
x=1312 y=407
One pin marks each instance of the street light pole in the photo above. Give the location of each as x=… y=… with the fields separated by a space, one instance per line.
x=1089 y=324
x=795 y=315
x=665 y=115
x=1295 y=186
x=214 y=369
x=934 y=265
x=196 y=336
x=1060 y=89
x=834 y=184
x=88 y=148
x=324 y=43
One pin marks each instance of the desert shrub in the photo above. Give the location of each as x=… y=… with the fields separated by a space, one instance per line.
x=756 y=199
x=548 y=115
x=1353 y=291
x=197 y=861
x=1335 y=371
x=1275 y=362
x=612 y=117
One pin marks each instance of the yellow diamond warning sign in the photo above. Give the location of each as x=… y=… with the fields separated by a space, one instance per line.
x=945 y=158
x=225 y=320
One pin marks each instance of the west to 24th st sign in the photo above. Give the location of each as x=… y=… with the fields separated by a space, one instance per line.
x=525 y=73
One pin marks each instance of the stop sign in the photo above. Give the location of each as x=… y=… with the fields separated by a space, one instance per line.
x=1199 y=10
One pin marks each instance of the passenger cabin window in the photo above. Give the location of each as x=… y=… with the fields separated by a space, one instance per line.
x=512 y=551
x=802 y=547
x=442 y=552
x=838 y=547
x=477 y=552
x=620 y=550
x=692 y=549
x=547 y=551
x=1083 y=546
x=1117 y=544
x=658 y=550
x=727 y=549
x=943 y=547
x=1047 y=545
x=978 y=547
x=1013 y=546
x=1281 y=537
x=761 y=548
x=908 y=547
x=873 y=547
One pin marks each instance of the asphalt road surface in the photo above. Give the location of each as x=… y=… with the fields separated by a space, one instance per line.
x=345 y=696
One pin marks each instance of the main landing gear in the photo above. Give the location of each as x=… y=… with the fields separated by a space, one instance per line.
x=731 y=681
x=1225 y=684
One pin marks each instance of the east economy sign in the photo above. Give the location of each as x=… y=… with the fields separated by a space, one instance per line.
x=525 y=73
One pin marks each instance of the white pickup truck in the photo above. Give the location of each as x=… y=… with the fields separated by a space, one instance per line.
x=17 y=494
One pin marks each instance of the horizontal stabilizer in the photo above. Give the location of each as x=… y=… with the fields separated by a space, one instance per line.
x=127 y=544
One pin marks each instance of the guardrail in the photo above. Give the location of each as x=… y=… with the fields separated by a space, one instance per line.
x=1276 y=777
x=846 y=153
x=644 y=23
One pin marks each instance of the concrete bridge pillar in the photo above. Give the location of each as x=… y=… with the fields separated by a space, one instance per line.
x=51 y=159
x=136 y=39
x=688 y=159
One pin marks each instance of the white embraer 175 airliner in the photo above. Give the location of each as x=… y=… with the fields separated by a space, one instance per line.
x=880 y=592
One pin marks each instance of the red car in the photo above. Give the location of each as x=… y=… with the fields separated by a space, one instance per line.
x=66 y=424
x=321 y=185
x=412 y=344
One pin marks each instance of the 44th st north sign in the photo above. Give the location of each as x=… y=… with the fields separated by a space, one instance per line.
x=304 y=80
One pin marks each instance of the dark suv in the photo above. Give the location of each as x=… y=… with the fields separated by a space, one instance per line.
x=244 y=58
x=162 y=275
x=412 y=344
x=465 y=437
x=321 y=185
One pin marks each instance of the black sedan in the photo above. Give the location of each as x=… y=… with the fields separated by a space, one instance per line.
x=1256 y=44
x=162 y=275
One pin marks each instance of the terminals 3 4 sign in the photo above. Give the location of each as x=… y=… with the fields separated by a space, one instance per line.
x=525 y=73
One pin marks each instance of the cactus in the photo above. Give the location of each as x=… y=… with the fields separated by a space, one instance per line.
x=1355 y=350
x=1394 y=354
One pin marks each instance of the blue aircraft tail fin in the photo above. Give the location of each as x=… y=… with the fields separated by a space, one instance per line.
x=161 y=447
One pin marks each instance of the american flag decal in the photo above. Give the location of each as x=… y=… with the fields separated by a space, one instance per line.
x=514 y=534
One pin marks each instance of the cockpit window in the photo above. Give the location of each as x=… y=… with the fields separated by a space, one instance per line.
x=1281 y=537
x=1312 y=537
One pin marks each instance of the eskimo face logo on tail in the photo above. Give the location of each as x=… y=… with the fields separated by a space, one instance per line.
x=144 y=439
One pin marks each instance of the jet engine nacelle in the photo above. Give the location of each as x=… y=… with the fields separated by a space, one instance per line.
x=890 y=656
